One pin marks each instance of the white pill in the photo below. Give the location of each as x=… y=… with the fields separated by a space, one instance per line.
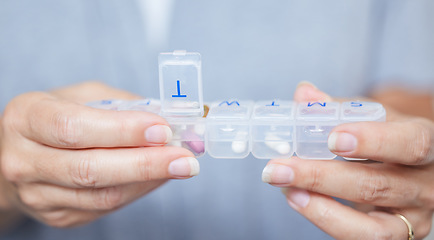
x=274 y=142
x=240 y=144
x=282 y=148
x=199 y=129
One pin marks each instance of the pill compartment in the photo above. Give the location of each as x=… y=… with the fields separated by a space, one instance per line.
x=272 y=129
x=357 y=111
x=228 y=129
x=188 y=133
x=314 y=121
x=180 y=83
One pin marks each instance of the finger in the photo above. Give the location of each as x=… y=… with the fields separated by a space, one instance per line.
x=91 y=91
x=34 y=206
x=45 y=197
x=65 y=218
x=111 y=167
x=376 y=184
x=306 y=92
x=64 y=124
x=409 y=142
x=343 y=222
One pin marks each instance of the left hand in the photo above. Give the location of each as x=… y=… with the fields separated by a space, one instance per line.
x=400 y=181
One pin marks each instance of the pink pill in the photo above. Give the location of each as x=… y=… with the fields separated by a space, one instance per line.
x=194 y=142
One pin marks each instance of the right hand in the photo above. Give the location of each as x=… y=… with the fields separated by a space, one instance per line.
x=67 y=164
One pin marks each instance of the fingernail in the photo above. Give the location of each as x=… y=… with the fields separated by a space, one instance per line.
x=184 y=167
x=342 y=142
x=159 y=134
x=313 y=92
x=298 y=197
x=306 y=83
x=277 y=174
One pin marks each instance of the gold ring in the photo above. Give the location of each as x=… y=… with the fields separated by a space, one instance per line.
x=409 y=226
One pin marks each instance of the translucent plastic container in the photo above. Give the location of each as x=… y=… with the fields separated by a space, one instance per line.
x=233 y=129
x=267 y=129
x=272 y=129
x=228 y=129
x=314 y=121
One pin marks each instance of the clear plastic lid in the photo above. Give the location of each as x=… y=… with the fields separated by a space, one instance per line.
x=180 y=84
x=362 y=111
x=318 y=111
x=230 y=109
x=275 y=110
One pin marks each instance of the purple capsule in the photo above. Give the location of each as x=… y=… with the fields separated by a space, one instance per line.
x=193 y=142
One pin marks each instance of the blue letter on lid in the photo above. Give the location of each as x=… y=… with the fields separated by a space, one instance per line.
x=309 y=104
x=273 y=104
x=229 y=103
x=178 y=87
x=356 y=104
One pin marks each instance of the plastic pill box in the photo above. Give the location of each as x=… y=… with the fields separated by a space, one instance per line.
x=235 y=128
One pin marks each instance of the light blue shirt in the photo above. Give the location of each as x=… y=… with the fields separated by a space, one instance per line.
x=250 y=50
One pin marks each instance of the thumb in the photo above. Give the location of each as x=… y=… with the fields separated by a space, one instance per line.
x=307 y=92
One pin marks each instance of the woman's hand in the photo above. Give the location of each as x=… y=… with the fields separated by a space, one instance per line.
x=400 y=181
x=66 y=164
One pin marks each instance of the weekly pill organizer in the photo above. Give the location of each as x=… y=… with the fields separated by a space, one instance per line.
x=234 y=128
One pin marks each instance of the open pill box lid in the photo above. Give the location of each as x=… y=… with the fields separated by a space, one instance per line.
x=180 y=84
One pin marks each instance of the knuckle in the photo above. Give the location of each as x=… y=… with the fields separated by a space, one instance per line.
x=10 y=169
x=379 y=141
x=424 y=229
x=373 y=187
x=144 y=166
x=430 y=197
x=323 y=217
x=377 y=231
x=84 y=172
x=426 y=197
x=30 y=200
x=57 y=223
x=57 y=219
x=382 y=234
x=108 y=198
x=316 y=176
x=422 y=147
x=9 y=118
x=65 y=129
